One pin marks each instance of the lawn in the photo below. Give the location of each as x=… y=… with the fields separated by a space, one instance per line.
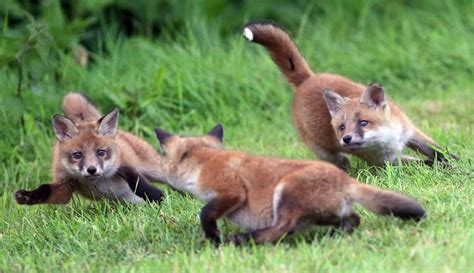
x=186 y=82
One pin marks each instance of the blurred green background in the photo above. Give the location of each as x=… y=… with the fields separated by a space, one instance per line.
x=41 y=42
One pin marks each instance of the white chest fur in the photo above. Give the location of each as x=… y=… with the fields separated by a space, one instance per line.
x=387 y=143
x=188 y=182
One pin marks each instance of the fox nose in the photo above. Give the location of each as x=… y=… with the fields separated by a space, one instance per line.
x=347 y=139
x=91 y=170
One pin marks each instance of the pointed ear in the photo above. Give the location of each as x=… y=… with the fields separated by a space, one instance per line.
x=374 y=96
x=108 y=124
x=217 y=131
x=334 y=101
x=64 y=127
x=162 y=135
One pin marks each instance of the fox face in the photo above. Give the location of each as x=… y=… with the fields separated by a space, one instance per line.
x=177 y=157
x=88 y=150
x=361 y=123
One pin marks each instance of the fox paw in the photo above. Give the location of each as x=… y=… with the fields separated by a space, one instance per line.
x=25 y=197
x=239 y=239
x=429 y=162
x=39 y=195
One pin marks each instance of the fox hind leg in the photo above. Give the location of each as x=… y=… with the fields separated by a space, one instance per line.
x=349 y=223
x=287 y=216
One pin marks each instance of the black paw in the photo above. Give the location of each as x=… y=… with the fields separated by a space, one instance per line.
x=429 y=162
x=23 y=197
x=239 y=239
x=155 y=197
x=37 y=196
x=214 y=238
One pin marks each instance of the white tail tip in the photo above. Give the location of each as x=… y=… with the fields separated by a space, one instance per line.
x=248 y=34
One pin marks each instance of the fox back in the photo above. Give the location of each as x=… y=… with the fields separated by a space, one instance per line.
x=335 y=115
x=267 y=196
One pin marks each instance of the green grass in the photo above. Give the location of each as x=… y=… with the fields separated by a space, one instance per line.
x=422 y=53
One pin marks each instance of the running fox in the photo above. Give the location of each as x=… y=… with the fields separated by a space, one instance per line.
x=269 y=197
x=335 y=115
x=93 y=158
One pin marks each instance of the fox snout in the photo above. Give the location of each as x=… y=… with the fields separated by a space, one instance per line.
x=347 y=139
x=91 y=170
x=351 y=140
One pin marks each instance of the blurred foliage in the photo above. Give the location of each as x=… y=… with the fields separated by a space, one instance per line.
x=42 y=27
x=188 y=61
x=36 y=33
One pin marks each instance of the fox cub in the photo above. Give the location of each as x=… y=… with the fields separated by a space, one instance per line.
x=93 y=158
x=334 y=115
x=269 y=197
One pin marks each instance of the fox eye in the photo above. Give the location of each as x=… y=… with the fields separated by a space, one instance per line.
x=342 y=127
x=101 y=153
x=77 y=155
x=363 y=123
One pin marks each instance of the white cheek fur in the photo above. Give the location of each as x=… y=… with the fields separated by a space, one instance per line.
x=393 y=136
x=110 y=166
x=73 y=169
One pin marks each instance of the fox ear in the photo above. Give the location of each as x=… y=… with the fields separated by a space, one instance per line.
x=374 y=96
x=217 y=131
x=334 y=101
x=162 y=135
x=108 y=124
x=64 y=127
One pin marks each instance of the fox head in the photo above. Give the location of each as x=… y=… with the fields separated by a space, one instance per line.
x=360 y=123
x=88 y=150
x=177 y=152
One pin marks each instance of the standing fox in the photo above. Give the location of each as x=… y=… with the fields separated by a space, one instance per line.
x=93 y=158
x=335 y=115
x=269 y=197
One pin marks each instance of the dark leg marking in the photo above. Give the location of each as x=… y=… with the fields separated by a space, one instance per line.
x=36 y=196
x=140 y=186
x=54 y=193
x=348 y=224
x=426 y=147
x=213 y=211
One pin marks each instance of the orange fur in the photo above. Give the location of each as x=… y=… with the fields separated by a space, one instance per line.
x=93 y=158
x=270 y=197
x=391 y=130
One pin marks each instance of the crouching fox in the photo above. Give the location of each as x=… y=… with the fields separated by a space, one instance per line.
x=269 y=197
x=335 y=115
x=96 y=160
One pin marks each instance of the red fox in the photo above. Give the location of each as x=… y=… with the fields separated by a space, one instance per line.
x=334 y=115
x=269 y=197
x=93 y=158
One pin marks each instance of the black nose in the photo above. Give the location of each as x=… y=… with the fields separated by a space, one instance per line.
x=91 y=170
x=347 y=139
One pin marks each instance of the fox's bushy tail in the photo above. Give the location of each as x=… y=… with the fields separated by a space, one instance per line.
x=282 y=50
x=79 y=109
x=386 y=202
